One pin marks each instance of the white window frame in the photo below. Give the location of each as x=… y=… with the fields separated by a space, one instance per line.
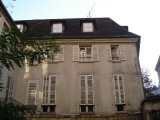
x=36 y=94
x=44 y=86
x=88 y=27
x=57 y=28
x=119 y=90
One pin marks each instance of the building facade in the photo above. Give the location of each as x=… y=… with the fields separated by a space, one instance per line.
x=7 y=77
x=97 y=72
x=157 y=68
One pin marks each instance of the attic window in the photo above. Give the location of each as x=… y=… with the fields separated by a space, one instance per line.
x=20 y=27
x=57 y=28
x=88 y=27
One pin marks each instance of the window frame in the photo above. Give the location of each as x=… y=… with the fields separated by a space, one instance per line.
x=36 y=95
x=86 y=87
x=57 y=29
x=87 y=28
x=48 y=92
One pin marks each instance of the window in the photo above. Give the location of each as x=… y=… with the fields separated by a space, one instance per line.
x=9 y=87
x=115 y=53
x=119 y=92
x=57 y=28
x=49 y=93
x=87 y=93
x=85 y=53
x=20 y=27
x=32 y=92
x=56 y=57
x=88 y=27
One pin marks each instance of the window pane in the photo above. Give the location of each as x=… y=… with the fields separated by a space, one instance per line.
x=83 y=108
x=90 y=108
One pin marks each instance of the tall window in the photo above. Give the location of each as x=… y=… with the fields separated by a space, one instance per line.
x=87 y=27
x=57 y=28
x=32 y=92
x=49 y=93
x=87 y=93
x=9 y=87
x=119 y=92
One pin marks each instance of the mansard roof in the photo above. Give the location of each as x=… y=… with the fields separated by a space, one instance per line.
x=103 y=28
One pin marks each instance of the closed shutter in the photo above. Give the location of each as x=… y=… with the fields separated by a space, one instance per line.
x=45 y=89
x=61 y=54
x=32 y=93
x=122 y=54
x=95 y=52
x=52 y=89
x=90 y=89
x=83 y=89
x=75 y=52
x=119 y=89
x=108 y=50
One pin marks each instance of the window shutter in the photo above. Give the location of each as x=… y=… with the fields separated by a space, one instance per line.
x=90 y=89
x=75 y=52
x=121 y=89
x=95 y=52
x=122 y=54
x=83 y=89
x=45 y=89
x=116 y=88
x=52 y=96
x=61 y=54
x=108 y=49
x=32 y=93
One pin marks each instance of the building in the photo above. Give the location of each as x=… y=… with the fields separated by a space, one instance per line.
x=157 y=68
x=151 y=108
x=7 y=78
x=97 y=72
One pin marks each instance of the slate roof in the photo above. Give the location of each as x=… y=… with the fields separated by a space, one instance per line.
x=153 y=99
x=104 y=28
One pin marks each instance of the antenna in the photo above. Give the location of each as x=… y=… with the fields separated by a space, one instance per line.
x=90 y=12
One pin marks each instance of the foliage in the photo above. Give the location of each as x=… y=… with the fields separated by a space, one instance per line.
x=14 y=48
x=148 y=86
x=10 y=111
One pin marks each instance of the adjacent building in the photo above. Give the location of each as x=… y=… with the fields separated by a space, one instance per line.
x=7 y=78
x=96 y=73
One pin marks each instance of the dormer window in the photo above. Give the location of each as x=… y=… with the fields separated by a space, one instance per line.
x=57 y=28
x=20 y=27
x=88 y=27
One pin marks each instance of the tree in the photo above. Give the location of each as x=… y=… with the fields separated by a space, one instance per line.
x=148 y=86
x=14 y=49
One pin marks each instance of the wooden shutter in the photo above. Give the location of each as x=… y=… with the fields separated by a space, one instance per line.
x=75 y=52
x=122 y=54
x=52 y=96
x=95 y=52
x=90 y=89
x=83 y=89
x=32 y=93
x=119 y=89
x=108 y=50
x=61 y=54
x=45 y=90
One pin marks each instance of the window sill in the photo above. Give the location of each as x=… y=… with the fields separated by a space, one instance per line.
x=87 y=113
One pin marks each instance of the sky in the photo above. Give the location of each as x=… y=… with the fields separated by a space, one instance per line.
x=141 y=16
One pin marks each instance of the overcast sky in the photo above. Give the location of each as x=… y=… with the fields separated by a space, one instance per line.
x=142 y=17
